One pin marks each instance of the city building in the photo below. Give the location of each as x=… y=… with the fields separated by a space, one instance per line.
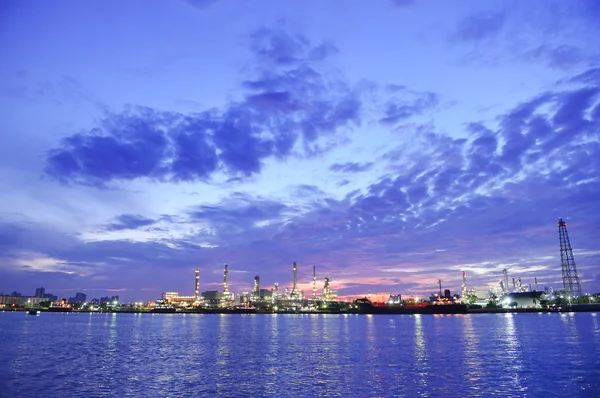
x=51 y=297
x=79 y=298
x=20 y=301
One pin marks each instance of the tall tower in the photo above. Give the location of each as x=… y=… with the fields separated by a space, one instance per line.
x=569 y=272
x=314 y=282
x=464 y=285
x=256 y=287
x=225 y=285
x=294 y=287
x=197 y=290
x=505 y=272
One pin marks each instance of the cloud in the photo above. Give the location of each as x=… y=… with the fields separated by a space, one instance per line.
x=126 y=146
x=590 y=76
x=289 y=108
x=559 y=57
x=406 y=103
x=481 y=26
x=555 y=34
x=241 y=210
x=129 y=221
x=351 y=167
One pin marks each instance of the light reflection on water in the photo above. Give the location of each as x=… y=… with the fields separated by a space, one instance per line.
x=299 y=355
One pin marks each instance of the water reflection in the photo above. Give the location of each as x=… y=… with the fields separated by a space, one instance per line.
x=472 y=361
x=300 y=355
x=513 y=365
x=421 y=358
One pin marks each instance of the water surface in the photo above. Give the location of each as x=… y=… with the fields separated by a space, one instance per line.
x=176 y=355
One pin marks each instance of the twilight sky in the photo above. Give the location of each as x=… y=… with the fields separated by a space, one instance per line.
x=390 y=143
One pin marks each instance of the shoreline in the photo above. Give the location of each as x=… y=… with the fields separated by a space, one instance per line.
x=374 y=310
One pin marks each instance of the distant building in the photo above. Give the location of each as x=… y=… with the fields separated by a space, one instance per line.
x=79 y=298
x=212 y=298
x=50 y=297
x=104 y=300
x=40 y=292
x=173 y=298
x=524 y=299
x=15 y=294
x=328 y=294
x=20 y=301
x=395 y=299
x=95 y=301
x=244 y=299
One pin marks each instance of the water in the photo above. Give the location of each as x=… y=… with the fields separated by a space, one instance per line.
x=175 y=355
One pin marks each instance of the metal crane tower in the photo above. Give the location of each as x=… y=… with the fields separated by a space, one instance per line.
x=569 y=271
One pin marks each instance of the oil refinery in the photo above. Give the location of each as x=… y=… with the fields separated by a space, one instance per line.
x=513 y=294
x=262 y=299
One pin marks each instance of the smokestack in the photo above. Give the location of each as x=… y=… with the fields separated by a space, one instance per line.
x=225 y=284
x=514 y=285
x=197 y=290
x=440 y=283
x=464 y=285
x=536 y=285
x=314 y=282
x=505 y=280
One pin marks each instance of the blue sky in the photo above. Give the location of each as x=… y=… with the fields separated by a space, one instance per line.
x=388 y=143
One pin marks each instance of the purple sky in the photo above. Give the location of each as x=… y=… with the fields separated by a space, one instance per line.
x=388 y=143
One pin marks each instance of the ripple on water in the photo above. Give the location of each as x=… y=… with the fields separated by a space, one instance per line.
x=62 y=355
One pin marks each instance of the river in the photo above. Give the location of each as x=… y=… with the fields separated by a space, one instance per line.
x=176 y=355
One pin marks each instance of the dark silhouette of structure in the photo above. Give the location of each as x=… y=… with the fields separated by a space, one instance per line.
x=569 y=271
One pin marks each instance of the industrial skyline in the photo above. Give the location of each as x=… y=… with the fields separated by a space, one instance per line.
x=443 y=138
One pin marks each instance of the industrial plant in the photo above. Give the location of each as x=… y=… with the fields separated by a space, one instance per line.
x=265 y=299
x=511 y=293
x=516 y=294
x=508 y=294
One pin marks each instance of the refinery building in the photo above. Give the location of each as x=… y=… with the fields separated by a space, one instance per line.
x=259 y=297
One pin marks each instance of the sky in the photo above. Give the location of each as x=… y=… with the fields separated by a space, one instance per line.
x=389 y=143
